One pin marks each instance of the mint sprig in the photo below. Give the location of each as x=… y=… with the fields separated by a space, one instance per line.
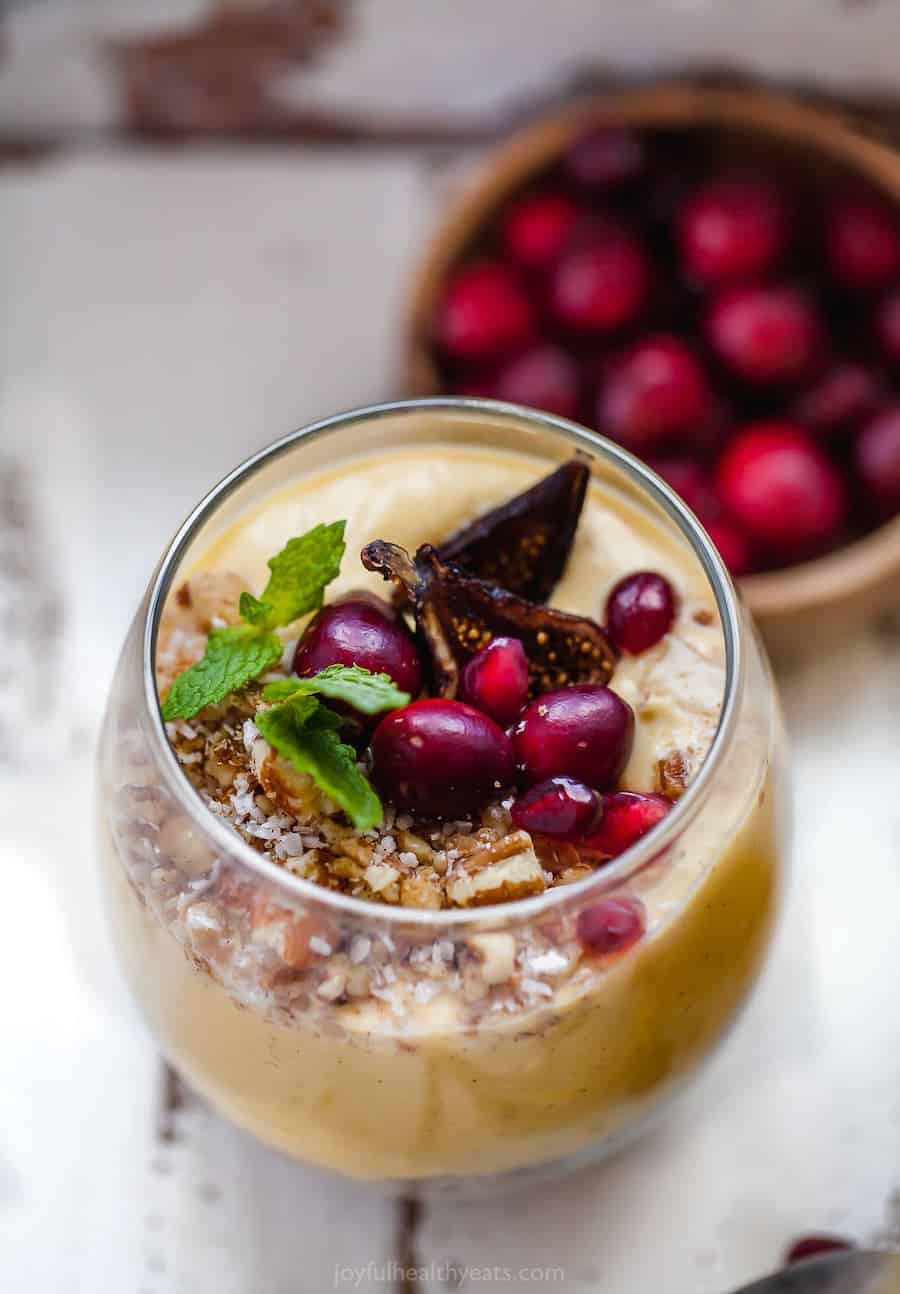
x=232 y=658
x=306 y=734
x=357 y=687
x=236 y=654
x=300 y=574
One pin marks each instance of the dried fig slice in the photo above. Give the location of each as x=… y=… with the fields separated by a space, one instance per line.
x=524 y=544
x=457 y=615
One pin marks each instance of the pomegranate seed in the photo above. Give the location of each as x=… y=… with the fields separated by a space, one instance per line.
x=625 y=816
x=812 y=1246
x=766 y=334
x=496 y=680
x=442 y=759
x=605 y=158
x=733 y=229
x=887 y=325
x=781 y=487
x=862 y=241
x=876 y=457
x=561 y=807
x=536 y=229
x=654 y=393
x=610 y=926
x=639 y=611
x=584 y=732
x=846 y=392
x=364 y=631
x=601 y=284
x=544 y=377
x=734 y=547
x=484 y=313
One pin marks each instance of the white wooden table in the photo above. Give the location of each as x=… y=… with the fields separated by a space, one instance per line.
x=167 y=313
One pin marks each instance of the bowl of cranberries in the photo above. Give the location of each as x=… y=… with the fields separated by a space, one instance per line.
x=711 y=278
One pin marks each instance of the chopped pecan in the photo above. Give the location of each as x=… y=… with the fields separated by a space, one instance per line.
x=672 y=775
x=515 y=877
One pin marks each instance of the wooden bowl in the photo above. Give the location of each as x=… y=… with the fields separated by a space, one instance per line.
x=795 y=606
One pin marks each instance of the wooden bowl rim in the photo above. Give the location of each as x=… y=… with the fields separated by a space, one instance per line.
x=853 y=569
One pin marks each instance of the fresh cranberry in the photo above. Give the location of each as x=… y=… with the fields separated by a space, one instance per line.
x=625 y=816
x=845 y=393
x=781 y=487
x=813 y=1246
x=734 y=547
x=887 y=325
x=477 y=386
x=561 y=807
x=442 y=759
x=654 y=393
x=690 y=478
x=365 y=631
x=639 y=611
x=877 y=458
x=601 y=284
x=733 y=229
x=584 y=732
x=544 y=377
x=484 y=313
x=610 y=926
x=605 y=158
x=536 y=229
x=862 y=241
x=496 y=680
x=766 y=334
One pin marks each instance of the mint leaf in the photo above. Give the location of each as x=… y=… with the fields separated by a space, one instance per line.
x=233 y=656
x=357 y=687
x=282 y=689
x=305 y=733
x=300 y=574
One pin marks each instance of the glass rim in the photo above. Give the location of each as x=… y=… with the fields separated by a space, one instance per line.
x=232 y=844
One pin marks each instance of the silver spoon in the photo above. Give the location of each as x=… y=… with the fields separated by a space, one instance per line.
x=856 y=1272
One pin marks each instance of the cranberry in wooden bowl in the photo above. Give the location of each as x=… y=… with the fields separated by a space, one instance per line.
x=706 y=260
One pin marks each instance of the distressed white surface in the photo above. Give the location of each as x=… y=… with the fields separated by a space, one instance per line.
x=458 y=61
x=172 y=313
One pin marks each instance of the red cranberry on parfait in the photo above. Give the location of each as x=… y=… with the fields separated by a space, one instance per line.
x=846 y=392
x=484 y=313
x=605 y=158
x=610 y=926
x=766 y=335
x=600 y=284
x=542 y=377
x=876 y=456
x=625 y=816
x=496 y=680
x=733 y=229
x=535 y=229
x=441 y=759
x=365 y=631
x=639 y=611
x=862 y=241
x=781 y=487
x=560 y=807
x=584 y=732
x=653 y=394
